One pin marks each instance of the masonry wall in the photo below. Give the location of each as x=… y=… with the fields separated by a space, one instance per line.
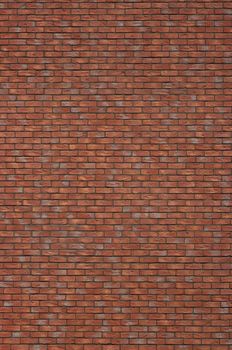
x=115 y=194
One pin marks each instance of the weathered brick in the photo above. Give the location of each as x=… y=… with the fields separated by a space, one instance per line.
x=115 y=175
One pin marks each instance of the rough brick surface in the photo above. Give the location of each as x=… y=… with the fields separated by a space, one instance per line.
x=115 y=154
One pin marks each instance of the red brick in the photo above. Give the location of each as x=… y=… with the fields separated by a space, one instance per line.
x=115 y=175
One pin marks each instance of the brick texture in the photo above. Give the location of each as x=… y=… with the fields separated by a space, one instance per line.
x=115 y=157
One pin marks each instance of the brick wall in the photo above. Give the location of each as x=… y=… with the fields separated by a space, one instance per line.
x=115 y=175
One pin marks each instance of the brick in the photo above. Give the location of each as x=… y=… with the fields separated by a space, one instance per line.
x=115 y=176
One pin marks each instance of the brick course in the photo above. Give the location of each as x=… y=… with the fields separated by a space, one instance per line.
x=115 y=156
